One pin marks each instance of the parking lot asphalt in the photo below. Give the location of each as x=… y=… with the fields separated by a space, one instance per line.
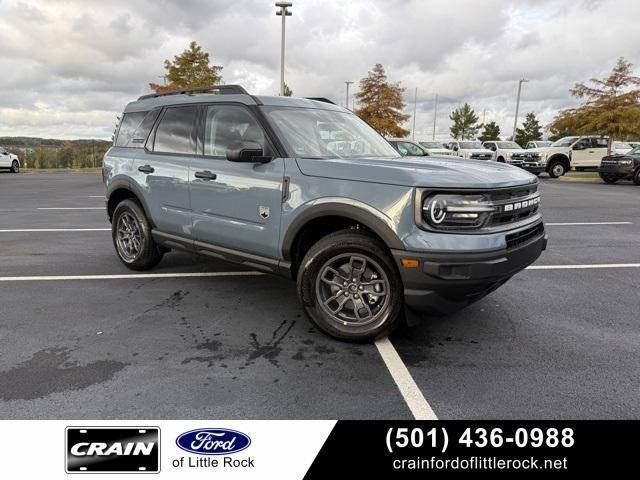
x=556 y=342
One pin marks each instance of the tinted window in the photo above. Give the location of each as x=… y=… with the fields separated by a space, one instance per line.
x=142 y=132
x=226 y=124
x=175 y=133
x=603 y=143
x=128 y=125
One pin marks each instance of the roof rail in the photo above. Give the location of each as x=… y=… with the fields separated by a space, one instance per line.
x=321 y=99
x=217 y=89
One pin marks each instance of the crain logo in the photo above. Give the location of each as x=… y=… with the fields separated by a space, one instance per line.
x=118 y=449
x=213 y=441
x=520 y=205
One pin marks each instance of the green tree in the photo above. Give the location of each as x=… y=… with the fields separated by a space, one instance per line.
x=531 y=130
x=287 y=91
x=491 y=132
x=381 y=103
x=190 y=69
x=465 y=123
x=611 y=106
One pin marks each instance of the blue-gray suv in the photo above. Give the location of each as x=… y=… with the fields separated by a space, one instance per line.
x=305 y=189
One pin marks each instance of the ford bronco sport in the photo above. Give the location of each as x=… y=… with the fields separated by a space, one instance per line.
x=304 y=188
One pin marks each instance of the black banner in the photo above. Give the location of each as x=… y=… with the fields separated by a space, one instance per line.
x=417 y=449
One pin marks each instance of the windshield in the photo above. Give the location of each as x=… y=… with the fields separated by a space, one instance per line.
x=468 y=145
x=316 y=133
x=509 y=145
x=431 y=144
x=543 y=144
x=621 y=146
x=564 y=142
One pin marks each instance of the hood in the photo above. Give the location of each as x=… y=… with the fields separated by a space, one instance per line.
x=619 y=156
x=548 y=149
x=436 y=172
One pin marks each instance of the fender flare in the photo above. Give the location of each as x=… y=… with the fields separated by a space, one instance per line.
x=360 y=212
x=125 y=184
x=562 y=157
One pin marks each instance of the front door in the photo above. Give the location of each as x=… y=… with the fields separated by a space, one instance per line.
x=5 y=159
x=236 y=205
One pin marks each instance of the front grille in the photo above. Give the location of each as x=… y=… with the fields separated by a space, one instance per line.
x=480 y=156
x=514 y=205
x=514 y=240
x=526 y=156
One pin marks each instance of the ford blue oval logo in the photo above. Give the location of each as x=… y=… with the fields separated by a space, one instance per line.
x=213 y=441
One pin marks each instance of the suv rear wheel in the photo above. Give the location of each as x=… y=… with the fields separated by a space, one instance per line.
x=15 y=166
x=636 y=177
x=131 y=235
x=350 y=287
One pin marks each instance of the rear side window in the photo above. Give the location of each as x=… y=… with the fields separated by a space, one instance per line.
x=128 y=126
x=176 y=132
x=142 y=132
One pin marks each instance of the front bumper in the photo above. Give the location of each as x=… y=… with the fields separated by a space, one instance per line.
x=622 y=171
x=446 y=282
x=533 y=167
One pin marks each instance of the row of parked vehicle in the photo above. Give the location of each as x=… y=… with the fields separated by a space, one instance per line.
x=556 y=158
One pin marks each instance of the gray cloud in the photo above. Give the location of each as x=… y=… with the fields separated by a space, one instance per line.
x=70 y=66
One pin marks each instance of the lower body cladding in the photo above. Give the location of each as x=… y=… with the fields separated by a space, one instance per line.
x=442 y=283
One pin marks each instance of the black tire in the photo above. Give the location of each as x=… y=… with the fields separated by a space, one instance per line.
x=556 y=169
x=351 y=248
x=537 y=174
x=607 y=178
x=15 y=167
x=500 y=160
x=636 y=177
x=131 y=234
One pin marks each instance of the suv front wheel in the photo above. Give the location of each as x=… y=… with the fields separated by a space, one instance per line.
x=557 y=169
x=132 y=238
x=350 y=287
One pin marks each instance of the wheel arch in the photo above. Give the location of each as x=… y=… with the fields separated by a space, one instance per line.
x=327 y=217
x=120 y=190
x=561 y=157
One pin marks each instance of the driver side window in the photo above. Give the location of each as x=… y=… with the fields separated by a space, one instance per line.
x=411 y=149
x=226 y=124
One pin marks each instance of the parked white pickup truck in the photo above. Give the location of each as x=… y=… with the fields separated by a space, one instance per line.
x=514 y=154
x=470 y=149
x=9 y=160
x=582 y=153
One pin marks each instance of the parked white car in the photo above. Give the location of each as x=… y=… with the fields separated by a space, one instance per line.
x=514 y=154
x=9 y=160
x=579 y=152
x=435 y=148
x=470 y=149
x=621 y=148
x=538 y=144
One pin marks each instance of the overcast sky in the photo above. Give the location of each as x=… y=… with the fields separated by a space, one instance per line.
x=67 y=68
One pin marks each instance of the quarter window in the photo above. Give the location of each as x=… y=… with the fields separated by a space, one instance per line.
x=128 y=125
x=176 y=133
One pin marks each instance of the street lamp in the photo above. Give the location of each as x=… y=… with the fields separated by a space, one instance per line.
x=515 y=120
x=347 y=102
x=284 y=13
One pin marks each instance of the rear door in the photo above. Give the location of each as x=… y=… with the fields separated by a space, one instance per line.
x=161 y=171
x=235 y=205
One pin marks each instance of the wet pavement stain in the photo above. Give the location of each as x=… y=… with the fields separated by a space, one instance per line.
x=270 y=350
x=50 y=371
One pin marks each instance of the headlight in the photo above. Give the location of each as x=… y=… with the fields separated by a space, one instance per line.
x=456 y=212
x=624 y=162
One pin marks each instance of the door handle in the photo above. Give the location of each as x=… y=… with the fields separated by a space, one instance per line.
x=146 y=169
x=206 y=175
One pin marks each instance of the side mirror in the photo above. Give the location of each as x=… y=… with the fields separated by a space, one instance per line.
x=246 y=152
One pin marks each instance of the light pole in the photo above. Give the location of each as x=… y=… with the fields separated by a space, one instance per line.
x=435 y=116
x=284 y=13
x=515 y=120
x=415 y=103
x=347 y=102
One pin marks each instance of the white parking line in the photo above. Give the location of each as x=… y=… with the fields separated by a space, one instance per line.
x=580 y=267
x=96 y=196
x=20 y=230
x=70 y=208
x=567 y=224
x=420 y=408
x=46 y=278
